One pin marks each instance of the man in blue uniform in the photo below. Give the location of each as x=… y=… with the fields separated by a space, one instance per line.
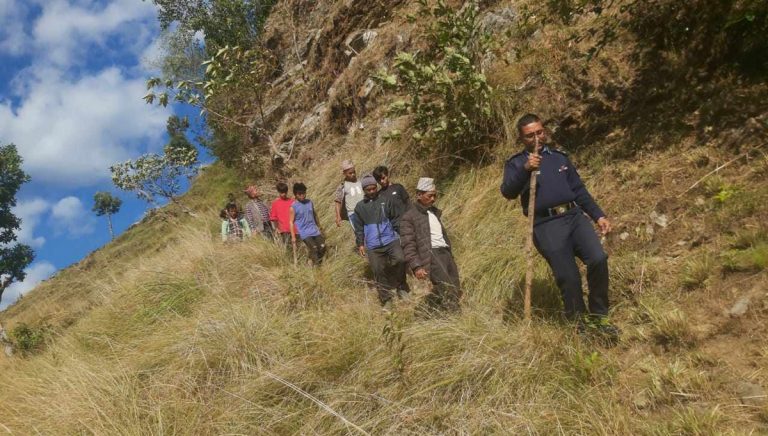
x=561 y=229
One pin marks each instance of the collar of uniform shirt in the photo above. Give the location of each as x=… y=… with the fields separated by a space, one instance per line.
x=544 y=149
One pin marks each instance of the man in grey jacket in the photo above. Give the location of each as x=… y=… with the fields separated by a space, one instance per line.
x=427 y=248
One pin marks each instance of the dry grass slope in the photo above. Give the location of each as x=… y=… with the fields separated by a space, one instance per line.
x=199 y=338
x=168 y=331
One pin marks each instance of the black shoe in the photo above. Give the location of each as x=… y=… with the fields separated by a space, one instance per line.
x=609 y=331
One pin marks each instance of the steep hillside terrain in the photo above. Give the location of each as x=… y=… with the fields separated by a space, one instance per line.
x=168 y=331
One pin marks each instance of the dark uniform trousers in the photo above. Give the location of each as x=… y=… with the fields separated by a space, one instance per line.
x=444 y=275
x=316 y=247
x=561 y=238
x=388 y=266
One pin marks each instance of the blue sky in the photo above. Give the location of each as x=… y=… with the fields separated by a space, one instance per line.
x=72 y=74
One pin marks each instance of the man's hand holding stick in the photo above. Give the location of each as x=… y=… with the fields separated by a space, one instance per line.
x=533 y=166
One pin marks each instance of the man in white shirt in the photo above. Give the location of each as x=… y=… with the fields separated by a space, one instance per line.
x=348 y=194
x=427 y=248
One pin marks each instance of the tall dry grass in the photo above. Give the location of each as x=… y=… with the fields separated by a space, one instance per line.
x=199 y=337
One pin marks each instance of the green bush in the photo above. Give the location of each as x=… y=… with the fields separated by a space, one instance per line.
x=28 y=339
x=751 y=259
x=449 y=94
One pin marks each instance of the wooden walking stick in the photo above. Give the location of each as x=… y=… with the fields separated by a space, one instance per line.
x=529 y=241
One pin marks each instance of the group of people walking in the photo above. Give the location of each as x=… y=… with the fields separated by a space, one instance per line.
x=398 y=234
x=392 y=232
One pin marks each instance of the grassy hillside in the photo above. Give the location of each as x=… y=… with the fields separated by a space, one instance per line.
x=168 y=331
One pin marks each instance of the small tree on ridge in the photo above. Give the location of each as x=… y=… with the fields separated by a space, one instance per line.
x=105 y=204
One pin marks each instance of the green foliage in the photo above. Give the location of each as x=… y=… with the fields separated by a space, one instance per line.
x=181 y=56
x=28 y=339
x=589 y=367
x=230 y=95
x=226 y=76
x=751 y=259
x=223 y=22
x=449 y=94
x=152 y=175
x=725 y=193
x=13 y=257
x=105 y=204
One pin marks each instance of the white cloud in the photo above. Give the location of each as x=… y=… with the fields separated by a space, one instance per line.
x=30 y=212
x=69 y=120
x=69 y=215
x=66 y=28
x=13 y=39
x=70 y=133
x=36 y=273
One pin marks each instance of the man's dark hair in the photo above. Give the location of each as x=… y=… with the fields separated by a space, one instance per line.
x=282 y=188
x=379 y=171
x=527 y=119
x=233 y=206
x=299 y=188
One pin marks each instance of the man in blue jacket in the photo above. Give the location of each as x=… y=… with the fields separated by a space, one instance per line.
x=561 y=229
x=376 y=226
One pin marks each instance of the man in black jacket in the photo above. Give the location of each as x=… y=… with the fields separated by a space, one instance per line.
x=561 y=229
x=376 y=225
x=395 y=191
x=427 y=248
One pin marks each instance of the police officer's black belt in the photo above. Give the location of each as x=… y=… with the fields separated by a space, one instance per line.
x=557 y=210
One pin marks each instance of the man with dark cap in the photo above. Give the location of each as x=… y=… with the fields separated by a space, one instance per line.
x=376 y=226
x=427 y=248
x=561 y=228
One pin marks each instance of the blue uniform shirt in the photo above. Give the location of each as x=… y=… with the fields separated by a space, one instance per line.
x=558 y=182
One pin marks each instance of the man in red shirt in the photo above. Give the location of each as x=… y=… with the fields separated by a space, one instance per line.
x=280 y=213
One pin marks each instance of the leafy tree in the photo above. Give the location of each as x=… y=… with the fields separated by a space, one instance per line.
x=226 y=77
x=13 y=257
x=223 y=22
x=105 y=204
x=181 y=56
x=231 y=90
x=153 y=175
x=450 y=98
